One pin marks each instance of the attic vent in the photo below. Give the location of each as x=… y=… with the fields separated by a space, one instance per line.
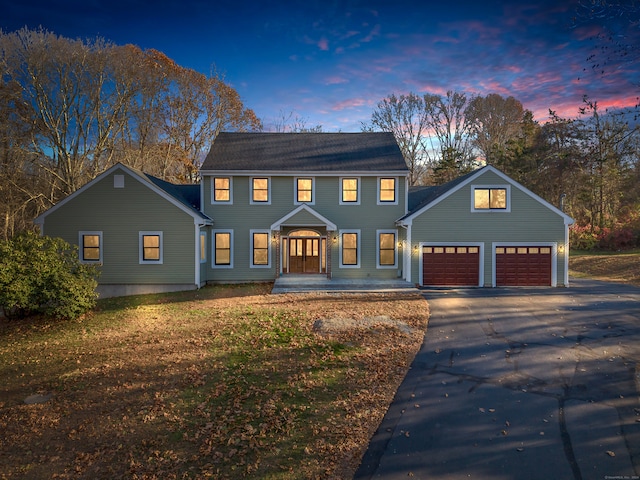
x=118 y=181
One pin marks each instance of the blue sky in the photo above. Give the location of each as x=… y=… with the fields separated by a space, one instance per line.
x=330 y=62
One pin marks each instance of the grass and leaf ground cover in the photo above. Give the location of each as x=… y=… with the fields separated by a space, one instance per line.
x=621 y=267
x=226 y=382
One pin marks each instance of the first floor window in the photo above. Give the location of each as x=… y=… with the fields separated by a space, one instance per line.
x=349 y=249
x=386 y=249
x=222 y=243
x=150 y=247
x=91 y=247
x=260 y=248
x=490 y=199
x=203 y=247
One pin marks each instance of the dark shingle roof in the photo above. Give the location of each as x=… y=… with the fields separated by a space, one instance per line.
x=188 y=195
x=311 y=152
x=422 y=196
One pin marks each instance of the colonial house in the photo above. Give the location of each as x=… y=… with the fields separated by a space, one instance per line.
x=331 y=204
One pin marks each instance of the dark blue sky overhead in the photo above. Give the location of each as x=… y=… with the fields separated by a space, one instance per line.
x=330 y=62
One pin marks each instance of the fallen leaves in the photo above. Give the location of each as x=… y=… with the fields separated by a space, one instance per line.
x=226 y=382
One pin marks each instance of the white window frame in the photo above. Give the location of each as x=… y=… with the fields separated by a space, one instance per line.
x=295 y=190
x=213 y=191
x=141 y=236
x=213 y=248
x=251 y=264
x=395 y=248
x=358 y=247
x=203 y=247
x=81 y=236
x=357 y=202
x=507 y=189
x=254 y=202
x=395 y=184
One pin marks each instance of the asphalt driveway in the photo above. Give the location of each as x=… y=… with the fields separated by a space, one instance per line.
x=519 y=384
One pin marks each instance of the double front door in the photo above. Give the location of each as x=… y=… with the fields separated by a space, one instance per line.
x=306 y=254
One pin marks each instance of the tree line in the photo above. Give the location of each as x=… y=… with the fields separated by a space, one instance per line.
x=588 y=165
x=71 y=108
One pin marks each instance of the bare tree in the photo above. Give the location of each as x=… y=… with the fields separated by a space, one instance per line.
x=406 y=117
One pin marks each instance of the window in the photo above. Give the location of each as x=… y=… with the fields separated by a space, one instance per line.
x=491 y=199
x=203 y=247
x=304 y=190
x=222 y=249
x=387 y=191
x=150 y=247
x=349 y=191
x=221 y=190
x=350 y=243
x=260 y=248
x=90 y=247
x=260 y=191
x=387 y=253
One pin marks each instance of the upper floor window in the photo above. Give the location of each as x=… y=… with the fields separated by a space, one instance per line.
x=150 y=247
x=387 y=191
x=260 y=190
x=221 y=190
x=349 y=191
x=304 y=190
x=491 y=198
x=90 y=247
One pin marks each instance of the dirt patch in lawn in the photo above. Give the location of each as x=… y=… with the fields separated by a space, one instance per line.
x=227 y=382
x=612 y=267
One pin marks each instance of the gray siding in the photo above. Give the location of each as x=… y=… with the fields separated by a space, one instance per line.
x=451 y=220
x=241 y=217
x=121 y=214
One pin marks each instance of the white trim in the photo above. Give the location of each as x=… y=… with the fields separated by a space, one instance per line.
x=213 y=190
x=322 y=221
x=480 y=245
x=358 y=247
x=213 y=248
x=554 y=257
x=313 y=189
x=39 y=220
x=251 y=200
x=505 y=187
x=141 y=236
x=81 y=234
x=268 y=234
x=395 y=194
x=341 y=185
x=395 y=248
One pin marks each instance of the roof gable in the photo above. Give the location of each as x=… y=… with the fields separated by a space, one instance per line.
x=306 y=216
x=423 y=198
x=185 y=197
x=305 y=152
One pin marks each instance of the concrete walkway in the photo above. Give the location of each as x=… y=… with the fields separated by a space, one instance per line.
x=320 y=283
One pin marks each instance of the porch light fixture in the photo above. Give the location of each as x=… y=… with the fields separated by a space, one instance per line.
x=560 y=248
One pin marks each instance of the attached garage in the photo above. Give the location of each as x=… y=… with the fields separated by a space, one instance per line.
x=452 y=265
x=523 y=266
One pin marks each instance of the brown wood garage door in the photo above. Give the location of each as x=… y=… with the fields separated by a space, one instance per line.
x=523 y=266
x=451 y=266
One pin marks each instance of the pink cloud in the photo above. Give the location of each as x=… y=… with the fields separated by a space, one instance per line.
x=323 y=44
x=349 y=103
x=335 y=80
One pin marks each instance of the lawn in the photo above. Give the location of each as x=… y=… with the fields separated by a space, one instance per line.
x=621 y=267
x=225 y=382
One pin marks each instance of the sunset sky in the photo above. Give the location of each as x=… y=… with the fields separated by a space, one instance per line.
x=330 y=62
